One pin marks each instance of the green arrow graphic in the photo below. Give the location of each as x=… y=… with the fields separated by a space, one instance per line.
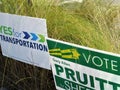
x=42 y=38
x=67 y=53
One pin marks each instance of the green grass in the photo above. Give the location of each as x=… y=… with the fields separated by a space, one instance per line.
x=89 y=24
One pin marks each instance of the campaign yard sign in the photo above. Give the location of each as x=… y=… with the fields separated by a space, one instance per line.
x=81 y=68
x=23 y=38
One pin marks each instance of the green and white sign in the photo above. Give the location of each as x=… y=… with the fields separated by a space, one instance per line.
x=80 y=68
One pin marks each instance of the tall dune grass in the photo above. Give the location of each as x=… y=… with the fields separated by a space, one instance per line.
x=90 y=23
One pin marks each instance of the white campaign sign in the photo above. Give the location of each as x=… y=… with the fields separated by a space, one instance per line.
x=23 y=38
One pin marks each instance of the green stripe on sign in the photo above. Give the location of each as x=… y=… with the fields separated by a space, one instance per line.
x=87 y=57
x=68 y=85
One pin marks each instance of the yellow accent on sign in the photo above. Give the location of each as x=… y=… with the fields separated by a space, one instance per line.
x=67 y=53
x=67 y=56
x=56 y=54
x=75 y=54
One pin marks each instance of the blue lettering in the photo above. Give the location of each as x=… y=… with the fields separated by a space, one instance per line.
x=24 y=43
x=16 y=34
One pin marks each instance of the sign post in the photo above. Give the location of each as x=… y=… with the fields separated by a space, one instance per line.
x=80 y=68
